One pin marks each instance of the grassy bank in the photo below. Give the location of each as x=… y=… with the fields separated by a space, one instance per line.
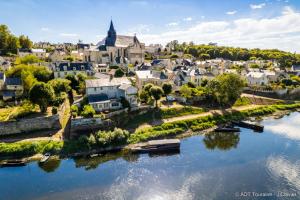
x=118 y=136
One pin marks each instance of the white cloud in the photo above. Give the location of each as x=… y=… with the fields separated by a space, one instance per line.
x=172 y=24
x=231 y=12
x=187 y=19
x=68 y=34
x=281 y=32
x=45 y=29
x=257 y=6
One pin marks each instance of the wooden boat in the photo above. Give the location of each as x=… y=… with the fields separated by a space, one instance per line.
x=157 y=146
x=249 y=125
x=227 y=129
x=45 y=157
x=13 y=163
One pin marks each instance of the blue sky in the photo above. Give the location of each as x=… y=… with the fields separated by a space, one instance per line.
x=244 y=23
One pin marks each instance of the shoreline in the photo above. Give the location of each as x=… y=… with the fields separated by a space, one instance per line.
x=126 y=147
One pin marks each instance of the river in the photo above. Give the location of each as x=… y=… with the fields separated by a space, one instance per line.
x=245 y=165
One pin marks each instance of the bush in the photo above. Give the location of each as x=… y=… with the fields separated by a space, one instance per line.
x=115 y=137
x=54 y=110
x=74 y=111
x=88 y=111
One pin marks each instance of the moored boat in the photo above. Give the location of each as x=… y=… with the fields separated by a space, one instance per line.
x=157 y=146
x=13 y=163
x=45 y=157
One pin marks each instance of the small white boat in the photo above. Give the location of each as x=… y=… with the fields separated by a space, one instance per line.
x=45 y=157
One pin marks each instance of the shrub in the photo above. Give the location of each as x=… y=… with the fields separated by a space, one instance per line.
x=115 y=137
x=54 y=110
x=88 y=111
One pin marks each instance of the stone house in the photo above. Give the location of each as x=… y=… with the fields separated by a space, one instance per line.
x=257 y=78
x=10 y=88
x=151 y=76
x=57 y=55
x=106 y=94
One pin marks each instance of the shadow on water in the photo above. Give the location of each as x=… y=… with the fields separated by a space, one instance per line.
x=221 y=140
x=50 y=166
x=93 y=163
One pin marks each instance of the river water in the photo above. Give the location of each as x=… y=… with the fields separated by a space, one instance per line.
x=245 y=165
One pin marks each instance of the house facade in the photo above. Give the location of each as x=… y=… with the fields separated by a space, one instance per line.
x=62 y=69
x=150 y=76
x=106 y=94
x=10 y=88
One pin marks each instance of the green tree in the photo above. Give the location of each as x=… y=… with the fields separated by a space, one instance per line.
x=60 y=85
x=167 y=88
x=74 y=81
x=41 y=94
x=88 y=111
x=225 y=89
x=13 y=44
x=186 y=91
x=28 y=59
x=156 y=93
x=25 y=42
x=119 y=73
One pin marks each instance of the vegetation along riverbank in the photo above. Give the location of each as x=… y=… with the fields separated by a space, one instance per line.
x=118 y=138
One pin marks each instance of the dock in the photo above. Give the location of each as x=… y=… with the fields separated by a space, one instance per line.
x=249 y=125
x=227 y=129
x=156 y=146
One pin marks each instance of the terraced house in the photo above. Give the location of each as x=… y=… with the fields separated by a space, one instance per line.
x=62 y=69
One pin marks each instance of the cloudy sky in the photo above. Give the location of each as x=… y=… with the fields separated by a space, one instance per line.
x=243 y=23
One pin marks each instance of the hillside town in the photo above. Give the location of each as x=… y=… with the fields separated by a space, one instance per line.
x=149 y=99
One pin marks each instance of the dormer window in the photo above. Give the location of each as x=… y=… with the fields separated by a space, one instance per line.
x=65 y=68
x=82 y=67
x=74 y=68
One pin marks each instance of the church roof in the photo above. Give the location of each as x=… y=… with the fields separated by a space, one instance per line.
x=121 y=41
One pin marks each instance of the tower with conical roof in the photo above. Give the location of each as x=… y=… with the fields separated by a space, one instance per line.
x=111 y=35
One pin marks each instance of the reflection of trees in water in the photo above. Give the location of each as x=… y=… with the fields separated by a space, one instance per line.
x=50 y=166
x=222 y=141
x=93 y=163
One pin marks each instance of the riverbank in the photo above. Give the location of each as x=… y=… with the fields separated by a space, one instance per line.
x=182 y=128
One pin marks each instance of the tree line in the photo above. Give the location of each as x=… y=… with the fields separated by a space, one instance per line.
x=203 y=52
x=9 y=43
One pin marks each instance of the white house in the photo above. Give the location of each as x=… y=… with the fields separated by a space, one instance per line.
x=257 y=78
x=106 y=94
x=150 y=76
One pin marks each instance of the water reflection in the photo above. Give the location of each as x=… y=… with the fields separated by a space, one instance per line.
x=93 y=163
x=287 y=127
x=221 y=141
x=281 y=168
x=51 y=165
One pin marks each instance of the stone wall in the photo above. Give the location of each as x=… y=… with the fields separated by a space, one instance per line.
x=88 y=125
x=30 y=125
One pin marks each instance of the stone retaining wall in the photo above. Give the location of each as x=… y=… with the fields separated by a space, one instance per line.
x=30 y=125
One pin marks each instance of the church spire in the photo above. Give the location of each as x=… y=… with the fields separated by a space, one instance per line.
x=111 y=35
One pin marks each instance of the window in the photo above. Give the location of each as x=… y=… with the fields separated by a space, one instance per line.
x=115 y=104
x=95 y=89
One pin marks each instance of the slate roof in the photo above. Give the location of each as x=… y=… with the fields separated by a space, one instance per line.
x=107 y=82
x=97 y=98
x=8 y=93
x=121 y=41
x=86 y=66
x=13 y=81
x=296 y=67
x=151 y=74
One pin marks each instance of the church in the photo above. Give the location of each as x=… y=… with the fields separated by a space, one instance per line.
x=116 y=50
